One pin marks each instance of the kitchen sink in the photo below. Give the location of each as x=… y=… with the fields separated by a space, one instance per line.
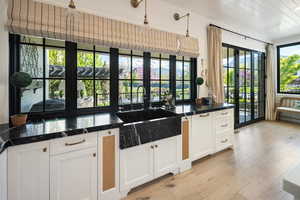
x=144 y=126
x=144 y=115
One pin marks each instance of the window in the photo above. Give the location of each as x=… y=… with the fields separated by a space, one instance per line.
x=70 y=78
x=131 y=76
x=183 y=79
x=289 y=68
x=229 y=74
x=44 y=60
x=159 y=77
x=93 y=76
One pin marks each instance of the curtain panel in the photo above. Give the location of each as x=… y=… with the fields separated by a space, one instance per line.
x=270 y=84
x=215 y=68
x=39 y=19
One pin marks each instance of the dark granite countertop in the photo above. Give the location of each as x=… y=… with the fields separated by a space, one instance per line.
x=62 y=127
x=56 y=128
x=192 y=109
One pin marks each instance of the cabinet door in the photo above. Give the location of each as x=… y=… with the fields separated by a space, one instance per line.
x=28 y=172
x=166 y=156
x=74 y=175
x=202 y=136
x=136 y=166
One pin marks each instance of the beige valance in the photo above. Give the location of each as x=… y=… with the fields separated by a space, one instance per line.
x=39 y=19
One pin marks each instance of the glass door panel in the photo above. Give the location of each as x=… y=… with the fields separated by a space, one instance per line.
x=244 y=83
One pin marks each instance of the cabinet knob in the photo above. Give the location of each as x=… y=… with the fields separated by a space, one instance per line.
x=94 y=154
x=156 y=146
x=152 y=147
x=109 y=132
x=45 y=149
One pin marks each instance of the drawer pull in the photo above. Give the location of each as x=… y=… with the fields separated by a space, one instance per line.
x=224 y=113
x=204 y=115
x=75 y=143
x=224 y=141
x=224 y=125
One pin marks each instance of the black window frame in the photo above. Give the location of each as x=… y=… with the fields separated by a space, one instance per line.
x=160 y=58
x=94 y=51
x=278 y=67
x=71 y=81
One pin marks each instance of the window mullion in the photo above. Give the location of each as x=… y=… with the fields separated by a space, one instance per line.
x=44 y=75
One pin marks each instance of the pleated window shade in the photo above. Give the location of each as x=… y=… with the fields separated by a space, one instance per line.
x=39 y=19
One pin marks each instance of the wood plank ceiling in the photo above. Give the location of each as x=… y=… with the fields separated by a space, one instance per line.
x=275 y=19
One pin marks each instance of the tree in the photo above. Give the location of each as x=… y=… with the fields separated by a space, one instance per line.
x=289 y=66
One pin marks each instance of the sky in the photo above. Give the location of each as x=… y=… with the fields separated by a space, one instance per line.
x=288 y=51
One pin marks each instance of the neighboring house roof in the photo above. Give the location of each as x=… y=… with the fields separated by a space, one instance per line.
x=83 y=72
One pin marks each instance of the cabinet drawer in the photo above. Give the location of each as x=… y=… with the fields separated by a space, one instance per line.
x=73 y=143
x=223 y=141
x=223 y=124
x=224 y=113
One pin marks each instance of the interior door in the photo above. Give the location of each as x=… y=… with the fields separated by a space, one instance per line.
x=244 y=83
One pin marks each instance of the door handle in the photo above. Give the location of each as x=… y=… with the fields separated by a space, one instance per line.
x=75 y=143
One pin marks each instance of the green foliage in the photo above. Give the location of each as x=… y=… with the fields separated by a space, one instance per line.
x=20 y=79
x=199 y=81
x=289 y=67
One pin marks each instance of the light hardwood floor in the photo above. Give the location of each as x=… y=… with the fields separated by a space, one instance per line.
x=264 y=152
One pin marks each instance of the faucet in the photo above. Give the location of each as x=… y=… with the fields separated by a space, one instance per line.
x=144 y=94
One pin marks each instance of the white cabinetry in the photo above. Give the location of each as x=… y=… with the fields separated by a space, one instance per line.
x=143 y=163
x=73 y=174
x=202 y=143
x=28 y=172
x=223 y=124
x=136 y=166
x=166 y=156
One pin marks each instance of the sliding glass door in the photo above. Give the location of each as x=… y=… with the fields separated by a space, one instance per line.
x=244 y=83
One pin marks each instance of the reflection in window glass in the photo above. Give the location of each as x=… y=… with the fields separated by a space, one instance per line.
x=289 y=69
x=183 y=79
x=131 y=75
x=93 y=74
x=160 y=78
x=49 y=83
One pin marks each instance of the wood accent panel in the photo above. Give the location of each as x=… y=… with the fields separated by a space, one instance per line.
x=109 y=162
x=185 y=140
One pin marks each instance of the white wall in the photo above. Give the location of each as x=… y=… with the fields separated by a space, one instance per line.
x=4 y=51
x=160 y=17
x=3 y=175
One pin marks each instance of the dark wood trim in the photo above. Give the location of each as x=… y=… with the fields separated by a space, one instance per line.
x=147 y=73
x=114 y=78
x=71 y=78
